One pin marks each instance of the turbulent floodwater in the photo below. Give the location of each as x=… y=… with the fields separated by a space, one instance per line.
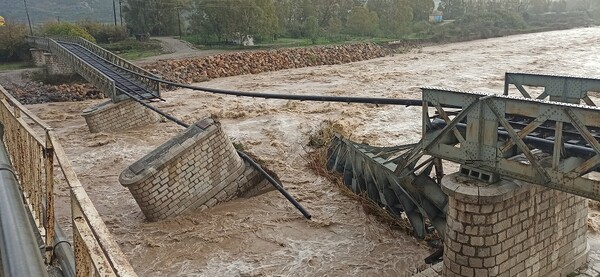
x=264 y=235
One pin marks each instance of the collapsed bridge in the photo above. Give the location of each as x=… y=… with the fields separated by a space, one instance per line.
x=468 y=139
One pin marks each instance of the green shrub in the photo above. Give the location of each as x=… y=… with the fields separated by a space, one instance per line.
x=66 y=29
x=104 y=33
x=12 y=42
x=490 y=23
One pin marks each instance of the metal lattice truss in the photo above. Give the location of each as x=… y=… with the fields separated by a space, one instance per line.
x=502 y=136
x=560 y=88
x=369 y=171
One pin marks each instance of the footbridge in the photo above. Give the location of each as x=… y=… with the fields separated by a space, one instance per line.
x=105 y=70
x=526 y=165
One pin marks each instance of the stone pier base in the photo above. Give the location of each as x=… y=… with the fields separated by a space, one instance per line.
x=54 y=66
x=512 y=229
x=112 y=117
x=196 y=170
x=38 y=57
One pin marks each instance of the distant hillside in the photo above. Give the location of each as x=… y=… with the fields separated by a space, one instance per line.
x=48 y=10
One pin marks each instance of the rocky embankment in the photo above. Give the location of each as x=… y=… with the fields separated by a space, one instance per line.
x=36 y=92
x=205 y=68
x=253 y=62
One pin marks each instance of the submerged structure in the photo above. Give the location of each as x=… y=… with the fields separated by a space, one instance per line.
x=516 y=206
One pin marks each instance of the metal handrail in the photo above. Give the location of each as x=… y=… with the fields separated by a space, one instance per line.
x=107 y=55
x=19 y=251
x=97 y=252
x=90 y=73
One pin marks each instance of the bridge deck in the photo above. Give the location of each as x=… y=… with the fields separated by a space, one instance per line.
x=123 y=81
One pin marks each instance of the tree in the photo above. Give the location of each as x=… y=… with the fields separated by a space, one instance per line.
x=293 y=14
x=334 y=26
x=421 y=9
x=395 y=15
x=311 y=29
x=12 y=42
x=66 y=29
x=157 y=17
x=453 y=9
x=362 y=22
x=268 y=24
x=540 y=6
x=234 y=19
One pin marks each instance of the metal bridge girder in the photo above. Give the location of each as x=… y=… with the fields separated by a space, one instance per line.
x=493 y=144
x=560 y=88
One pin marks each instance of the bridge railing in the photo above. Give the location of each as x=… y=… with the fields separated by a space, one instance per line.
x=33 y=147
x=97 y=78
x=109 y=56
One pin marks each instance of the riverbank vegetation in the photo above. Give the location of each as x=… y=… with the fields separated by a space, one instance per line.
x=298 y=23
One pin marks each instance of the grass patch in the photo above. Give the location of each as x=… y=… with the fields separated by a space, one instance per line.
x=207 y=44
x=140 y=54
x=14 y=66
x=131 y=49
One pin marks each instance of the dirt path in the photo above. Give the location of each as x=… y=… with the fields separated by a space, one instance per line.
x=177 y=49
x=16 y=76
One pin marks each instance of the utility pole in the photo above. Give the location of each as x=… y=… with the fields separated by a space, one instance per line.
x=121 y=11
x=115 y=12
x=28 y=19
x=179 y=21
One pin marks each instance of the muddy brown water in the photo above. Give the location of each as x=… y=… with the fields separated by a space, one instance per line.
x=264 y=235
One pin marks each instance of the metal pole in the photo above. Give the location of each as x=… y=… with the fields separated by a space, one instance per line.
x=19 y=250
x=179 y=21
x=115 y=12
x=28 y=19
x=121 y=11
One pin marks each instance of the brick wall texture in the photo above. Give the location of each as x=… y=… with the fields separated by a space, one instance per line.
x=536 y=232
x=54 y=66
x=37 y=56
x=111 y=117
x=194 y=174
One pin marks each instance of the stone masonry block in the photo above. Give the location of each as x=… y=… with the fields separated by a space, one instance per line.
x=189 y=172
x=112 y=117
x=512 y=229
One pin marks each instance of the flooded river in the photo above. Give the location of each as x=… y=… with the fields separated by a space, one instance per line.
x=265 y=235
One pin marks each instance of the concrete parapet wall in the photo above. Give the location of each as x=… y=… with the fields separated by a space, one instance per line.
x=194 y=171
x=111 y=117
x=512 y=229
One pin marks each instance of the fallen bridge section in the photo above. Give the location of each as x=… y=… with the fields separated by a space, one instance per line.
x=369 y=171
x=196 y=170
